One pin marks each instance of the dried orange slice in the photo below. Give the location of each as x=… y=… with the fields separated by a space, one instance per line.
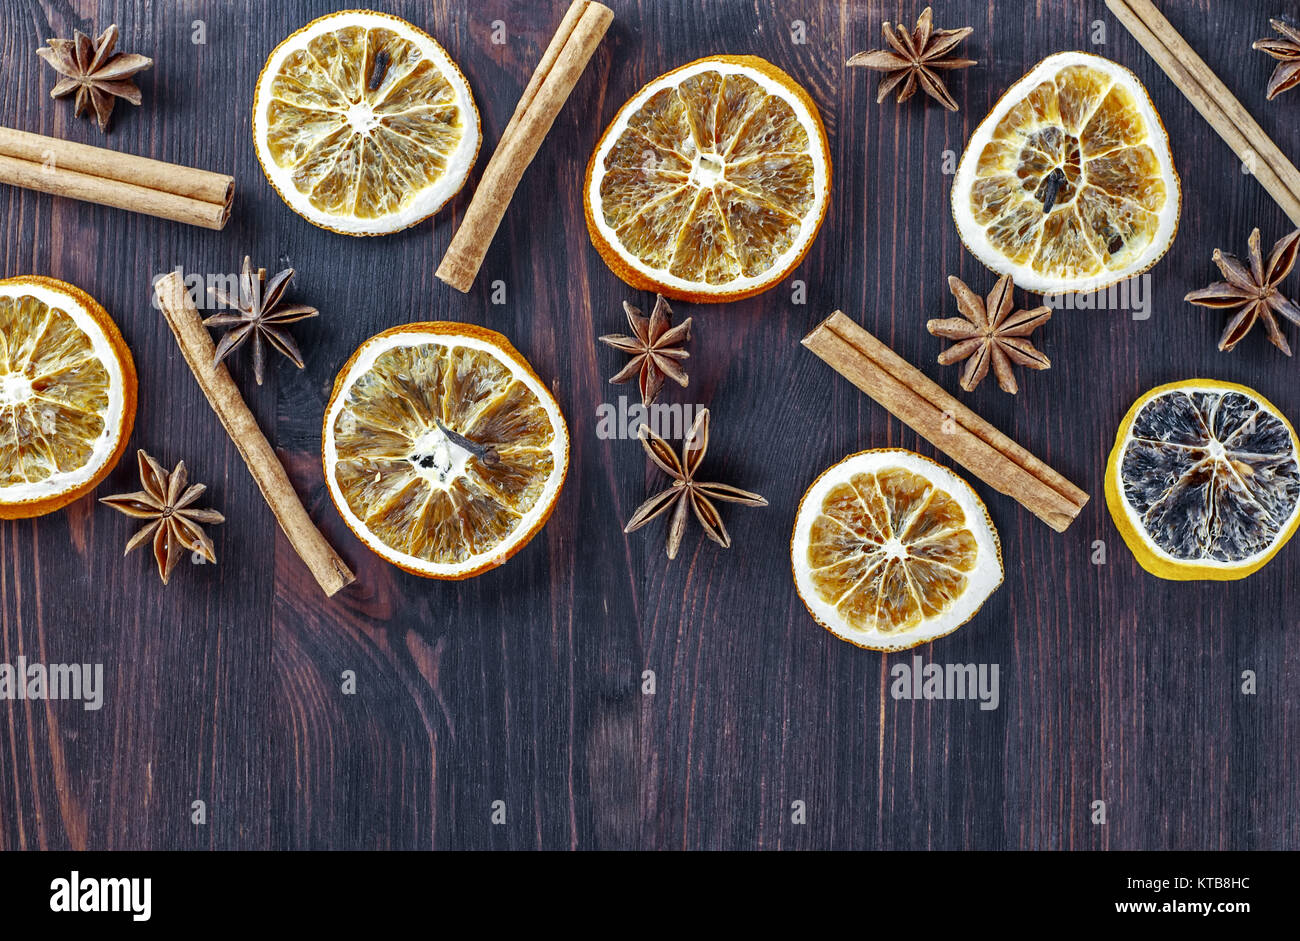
x=891 y=550
x=711 y=183
x=444 y=451
x=363 y=124
x=1069 y=185
x=67 y=395
x=1204 y=480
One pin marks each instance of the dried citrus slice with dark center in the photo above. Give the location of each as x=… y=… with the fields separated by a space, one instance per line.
x=1068 y=185
x=891 y=550
x=443 y=450
x=363 y=123
x=1204 y=480
x=711 y=182
x=67 y=395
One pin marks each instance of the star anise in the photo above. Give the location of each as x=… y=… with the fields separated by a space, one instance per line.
x=914 y=60
x=1287 y=49
x=686 y=492
x=655 y=349
x=91 y=69
x=260 y=317
x=174 y=522
x=1256 y=288
x=988 y=332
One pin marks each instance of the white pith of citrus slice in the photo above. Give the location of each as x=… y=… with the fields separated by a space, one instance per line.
x=891 y=550
x=1204 y=480
x=711 y=182
x=67 y=395
x=358 y=159
x=1087 y=124
x=443 y=450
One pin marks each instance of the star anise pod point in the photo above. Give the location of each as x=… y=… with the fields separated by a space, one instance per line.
x=91 y=69
x=989 y=332
x=686 y=493
x=175 y=524
x=1287 y=51
x=259 y=317
x=914 y=58
x=655 y=347
x=1255 y=288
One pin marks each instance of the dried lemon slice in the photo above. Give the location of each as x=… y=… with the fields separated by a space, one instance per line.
x=1069 y=185
x=891 y=550
x=711 y=183
x=363 y=123
x=443 y=450
x=1203 y=481
x=67 y=395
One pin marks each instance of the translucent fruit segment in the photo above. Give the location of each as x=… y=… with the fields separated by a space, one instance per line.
x=740 y=98
x=1064 y=250
x=710 y=179
x=512 y=418
x=898 y=607
x=889 y=550
x=992 y=197
x=624 y=192
x=782 y=180
x=1211 y=475
x=401 y=56
x=1035 y=110
x=1115 y=124
x=1080 y=89
x=424 y=86
x=363 y=120
x=414 y=486
x=301 y=82
x=652 y=234
x=56 y=390
x=1117 y=230
x=704 y=250
x=1015 y=234
x=1132 y=173
x=772 y=128
x=699 y=95
x=295 y=130
x=663 y=122
x=340 y=56
x=759 y=231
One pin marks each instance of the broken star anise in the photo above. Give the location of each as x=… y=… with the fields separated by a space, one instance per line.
x=175 y=524
x=655 y=348
x=1287 y=50
x=686 y=493
x=915 y=60
x=1255 y=289
x=259 y=317
x=91 y=69
x=988 y=332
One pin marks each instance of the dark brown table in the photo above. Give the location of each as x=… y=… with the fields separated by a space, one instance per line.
x=525 y=685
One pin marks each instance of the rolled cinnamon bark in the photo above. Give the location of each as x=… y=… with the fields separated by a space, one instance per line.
x=909 y=395
x=110 y=178
x=562 y=65
x=330 y=571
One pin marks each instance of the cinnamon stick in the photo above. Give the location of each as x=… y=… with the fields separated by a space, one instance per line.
x=110 y=178
x=1207 y=93
x=183 y=318
x=562 y=64
x=909 y=395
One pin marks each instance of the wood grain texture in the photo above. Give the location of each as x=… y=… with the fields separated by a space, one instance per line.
x=525 y=685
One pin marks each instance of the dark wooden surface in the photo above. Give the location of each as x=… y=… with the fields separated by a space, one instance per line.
x=525 y=685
